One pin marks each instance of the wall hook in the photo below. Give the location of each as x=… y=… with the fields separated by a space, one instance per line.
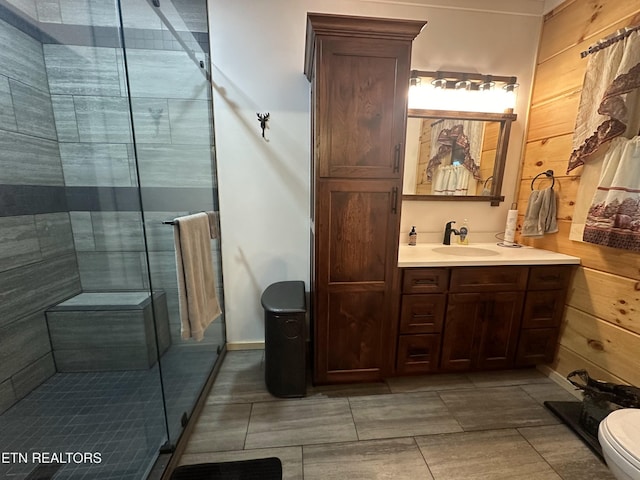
x=263 y=118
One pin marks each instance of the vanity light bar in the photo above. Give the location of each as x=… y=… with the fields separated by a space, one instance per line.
x=458 y=91
x=476 y=79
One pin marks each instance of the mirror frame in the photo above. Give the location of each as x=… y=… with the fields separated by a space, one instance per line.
x=505 y=120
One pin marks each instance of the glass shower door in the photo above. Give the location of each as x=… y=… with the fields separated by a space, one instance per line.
x=80 y=385
x=105 y=133
x=167 y=57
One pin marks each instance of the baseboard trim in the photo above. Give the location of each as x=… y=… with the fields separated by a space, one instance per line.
x=560 y=380
x=245 y=346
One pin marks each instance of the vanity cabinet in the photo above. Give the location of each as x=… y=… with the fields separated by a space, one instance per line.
x=422 y=314
x=483 y=317
x=542 y=314
x=481 y=330
x=359 y=73
x=479 y=318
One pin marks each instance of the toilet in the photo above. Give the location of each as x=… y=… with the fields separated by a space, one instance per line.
x=619 y=435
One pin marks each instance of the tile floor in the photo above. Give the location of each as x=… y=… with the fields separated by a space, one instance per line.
x=489 y=426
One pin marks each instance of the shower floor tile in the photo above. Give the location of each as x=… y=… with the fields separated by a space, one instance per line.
x=119 y=415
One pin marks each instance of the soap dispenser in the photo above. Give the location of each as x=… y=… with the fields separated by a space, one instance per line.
x=463 y=238
x=413 y=236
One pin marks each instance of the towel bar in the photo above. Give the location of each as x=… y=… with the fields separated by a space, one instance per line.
x=548 y=174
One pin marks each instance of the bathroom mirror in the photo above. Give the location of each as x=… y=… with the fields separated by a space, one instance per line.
x=453 y=155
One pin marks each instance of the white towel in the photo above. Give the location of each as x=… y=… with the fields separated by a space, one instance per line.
x=198 y=301
x=540 y=217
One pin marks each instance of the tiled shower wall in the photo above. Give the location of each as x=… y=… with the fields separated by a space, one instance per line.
x=170 y=128
x=67 y=168
x=89 y=90
x=37 y=259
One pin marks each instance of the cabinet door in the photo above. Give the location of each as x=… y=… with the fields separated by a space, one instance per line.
x=481 y=330
x=356 y=243
x=543 y=309
x=462 y=325
x=500 y=326
x=536 y=345
x=361 y=107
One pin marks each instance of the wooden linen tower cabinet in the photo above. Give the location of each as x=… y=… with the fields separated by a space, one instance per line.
x=359 y=73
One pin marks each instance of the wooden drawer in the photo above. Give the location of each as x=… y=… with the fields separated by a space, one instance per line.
x=488 y=279
x=425 y=280
x=536 y=345
x=549 y=277
x=422 y=313
x=543 y=309
x=418 y=353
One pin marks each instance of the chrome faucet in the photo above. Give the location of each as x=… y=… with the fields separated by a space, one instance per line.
x=448 y=230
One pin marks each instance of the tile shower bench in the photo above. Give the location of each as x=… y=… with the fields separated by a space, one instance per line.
x=99 y=331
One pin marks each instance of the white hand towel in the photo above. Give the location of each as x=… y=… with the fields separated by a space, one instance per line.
x=198 y=301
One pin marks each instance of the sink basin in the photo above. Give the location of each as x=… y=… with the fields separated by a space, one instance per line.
x=431 y=254
x=463 y=251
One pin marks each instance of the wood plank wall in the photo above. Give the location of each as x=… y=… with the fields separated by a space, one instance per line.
x=601 y=327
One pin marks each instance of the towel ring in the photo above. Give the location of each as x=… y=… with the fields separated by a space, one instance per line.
x=548 y=174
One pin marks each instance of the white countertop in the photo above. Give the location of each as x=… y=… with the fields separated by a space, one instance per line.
x=477 y=254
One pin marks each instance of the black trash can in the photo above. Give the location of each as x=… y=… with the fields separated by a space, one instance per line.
x=284 y=338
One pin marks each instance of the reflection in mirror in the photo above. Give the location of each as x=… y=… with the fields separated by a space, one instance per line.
x=450 y=156
x=455 y=154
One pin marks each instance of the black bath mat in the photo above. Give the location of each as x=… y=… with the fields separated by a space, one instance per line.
x=569 y=413
x=259 y=469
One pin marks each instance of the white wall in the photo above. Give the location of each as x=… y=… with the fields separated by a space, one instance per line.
x=257 y=56
x=480 y=42
x=551 y=4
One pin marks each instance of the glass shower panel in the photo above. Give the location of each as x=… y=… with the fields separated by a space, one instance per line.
x=167 y=56
x=80 y=330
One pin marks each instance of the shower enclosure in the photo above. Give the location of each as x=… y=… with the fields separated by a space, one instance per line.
x=106 y=132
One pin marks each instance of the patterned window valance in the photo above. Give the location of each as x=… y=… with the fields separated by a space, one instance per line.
x=610 y=98
x=447 y=139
